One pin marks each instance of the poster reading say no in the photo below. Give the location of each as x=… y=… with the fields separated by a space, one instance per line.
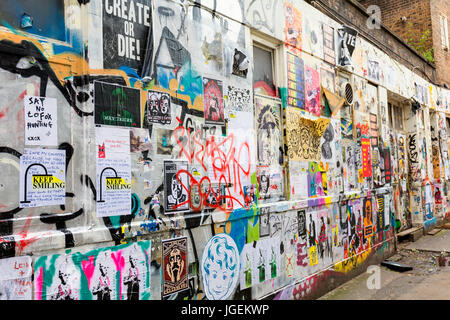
x=40 y=121
x=126 y=26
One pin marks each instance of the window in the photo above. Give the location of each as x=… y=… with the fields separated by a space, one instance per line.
x=268 y=65
x=44 y=17
x=444 y=32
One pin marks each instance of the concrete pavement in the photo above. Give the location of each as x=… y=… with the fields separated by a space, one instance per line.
x=427 y=281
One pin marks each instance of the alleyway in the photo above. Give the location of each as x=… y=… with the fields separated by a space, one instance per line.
x=428 y=280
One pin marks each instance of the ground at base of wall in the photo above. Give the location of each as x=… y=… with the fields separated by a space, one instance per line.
x=428 y=280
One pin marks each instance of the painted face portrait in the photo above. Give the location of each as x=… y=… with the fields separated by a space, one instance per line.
x=153 y=104
x=176 y=188
x=164 y=105
x=175 y=266
x=220 y=267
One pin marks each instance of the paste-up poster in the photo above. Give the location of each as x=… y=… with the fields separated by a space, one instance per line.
x=260 y=261
x=296 y=81
x=112 y=273
x=346 y=45
x=214 y=107
x=157 y=109
x=220 y=267
x=174 y=266
x=117 y=105
x=356 y=226
x=366 y=157
x=293 y=26
x=41 y=121
x=303 y=136
x=380 y=213
x=164 y=141
x=368 y=219
x=15 y=278
x=239 y=99
x=140 y=140
x=298 y=177
x=126 y=28
x=176 y=186
x=42 y=178
x=312 y=91
x=268 y=127
x=264 y=226
x=113 y=171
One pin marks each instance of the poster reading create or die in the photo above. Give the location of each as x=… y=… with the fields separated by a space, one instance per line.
x=42 y=178
x=40 y=121
x=113 y=171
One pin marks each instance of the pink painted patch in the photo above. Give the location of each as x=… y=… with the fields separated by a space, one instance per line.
x=119 y=261
x=39 y=284
x=88 y=268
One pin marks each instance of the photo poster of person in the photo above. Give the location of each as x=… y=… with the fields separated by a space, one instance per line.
x=117 y=105
x=157 y=109
x=96 y=274
x=214 y=107
x=176 y=197
x=126 y=29
x=175 y=266
x=268 y=128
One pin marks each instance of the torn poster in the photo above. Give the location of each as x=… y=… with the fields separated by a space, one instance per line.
x=42 y=178
x=15 y=278
x=41 y=121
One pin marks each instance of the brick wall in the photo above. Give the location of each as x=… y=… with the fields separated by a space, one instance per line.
x=421 y=15
x=417 y=13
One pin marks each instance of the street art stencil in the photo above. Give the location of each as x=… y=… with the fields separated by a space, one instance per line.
x=312 y=91
x=117 y=105
x=157 y=109
x=296 y=81
x=113 y=273
x=220 y=267
x=175 y=264
x=213 y=101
